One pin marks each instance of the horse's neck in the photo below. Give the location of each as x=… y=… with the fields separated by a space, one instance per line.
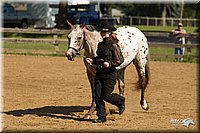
x=91 y=42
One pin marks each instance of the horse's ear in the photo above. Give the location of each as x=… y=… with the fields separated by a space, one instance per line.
x=83 y=25
x=84 y=29
x=70 y=24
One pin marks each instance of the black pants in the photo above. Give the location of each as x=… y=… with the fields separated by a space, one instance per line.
x=105 y=81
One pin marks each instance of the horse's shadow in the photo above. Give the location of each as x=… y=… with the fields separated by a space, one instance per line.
x=60 y=112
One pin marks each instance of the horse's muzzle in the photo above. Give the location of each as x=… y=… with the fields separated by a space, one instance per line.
x=71 y=54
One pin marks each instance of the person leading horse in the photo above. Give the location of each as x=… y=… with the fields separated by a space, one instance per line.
x=107 y=59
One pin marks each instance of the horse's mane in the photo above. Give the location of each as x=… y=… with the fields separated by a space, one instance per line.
x=90 y=28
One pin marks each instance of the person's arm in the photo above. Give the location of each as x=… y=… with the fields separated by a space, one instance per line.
x=183 y=32
x=115 y=61
x=178 y=33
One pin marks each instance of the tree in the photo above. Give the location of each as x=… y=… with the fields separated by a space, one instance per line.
x=189 y=10
x=198 y=15
x=62 y=15
x=164 y=13
x=167 y=9
x=182 y=8
x=106 y=9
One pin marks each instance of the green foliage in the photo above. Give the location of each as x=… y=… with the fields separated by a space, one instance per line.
x=189 y=11
x=139 y=9
x=156 y=9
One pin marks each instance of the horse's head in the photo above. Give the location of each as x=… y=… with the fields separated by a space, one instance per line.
x=76 y=40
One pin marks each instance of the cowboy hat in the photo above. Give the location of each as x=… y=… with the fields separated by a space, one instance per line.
x=106 y=26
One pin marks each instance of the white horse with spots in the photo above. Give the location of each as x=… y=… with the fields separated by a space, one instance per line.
x=133 y=45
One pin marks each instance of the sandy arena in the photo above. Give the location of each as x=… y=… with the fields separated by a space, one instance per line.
x=53 y=94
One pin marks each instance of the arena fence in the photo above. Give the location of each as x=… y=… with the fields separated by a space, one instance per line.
x=55 y=41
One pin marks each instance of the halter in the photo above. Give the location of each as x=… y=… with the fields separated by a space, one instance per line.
x=82 y=45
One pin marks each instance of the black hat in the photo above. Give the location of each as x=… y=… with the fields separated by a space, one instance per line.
x=106 y=26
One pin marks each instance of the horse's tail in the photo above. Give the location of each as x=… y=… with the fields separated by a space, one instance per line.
x=147 y=72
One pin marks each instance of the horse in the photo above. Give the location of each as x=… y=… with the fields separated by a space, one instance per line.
x=134 y=48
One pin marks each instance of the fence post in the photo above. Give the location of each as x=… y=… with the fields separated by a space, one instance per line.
x=147 y=21
x=122 y=20
x=156 y=21
x=172 y=22
x=130 y=20
x=189 y=49
x=139 y=21
x=55 y=43
x=163 y=21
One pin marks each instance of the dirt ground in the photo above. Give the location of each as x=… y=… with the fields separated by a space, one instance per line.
x=53 y=94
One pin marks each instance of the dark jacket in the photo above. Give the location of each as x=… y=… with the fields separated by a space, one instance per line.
x=108 y=51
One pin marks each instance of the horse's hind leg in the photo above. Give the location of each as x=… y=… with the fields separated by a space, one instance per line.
x=138 y=71
x=120 y=79
x=142 y=67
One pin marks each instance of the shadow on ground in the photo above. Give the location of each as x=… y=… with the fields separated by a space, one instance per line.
x=61 y=112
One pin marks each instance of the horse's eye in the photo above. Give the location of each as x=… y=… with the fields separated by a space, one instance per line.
x=79 y=38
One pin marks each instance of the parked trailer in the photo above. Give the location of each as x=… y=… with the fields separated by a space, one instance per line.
x=43 y=14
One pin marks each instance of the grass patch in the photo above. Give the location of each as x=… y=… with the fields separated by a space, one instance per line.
x=188 y=57
x=28 y=35
x=165 y=28
x=162 y=28
x=34 y=54
x=64 y=36
x=33 y=46
x=157 y=50
x=14 y=48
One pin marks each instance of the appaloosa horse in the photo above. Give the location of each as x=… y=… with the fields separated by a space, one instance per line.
x=133 y=45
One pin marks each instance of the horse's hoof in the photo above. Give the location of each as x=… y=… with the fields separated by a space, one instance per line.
x=145 y=105
x=87 y=117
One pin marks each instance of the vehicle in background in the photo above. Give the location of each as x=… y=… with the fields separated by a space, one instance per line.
x=86 y=12
x=36 y=14
x=12 y=18
x=43 y=13
x=81 y=13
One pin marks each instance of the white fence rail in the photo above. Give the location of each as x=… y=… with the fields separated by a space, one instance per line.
x=155 y=21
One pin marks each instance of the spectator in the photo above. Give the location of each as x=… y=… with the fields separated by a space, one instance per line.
x=179 y=34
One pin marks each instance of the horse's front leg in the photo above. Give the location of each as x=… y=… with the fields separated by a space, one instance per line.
x=120 y=79
x=91 y=77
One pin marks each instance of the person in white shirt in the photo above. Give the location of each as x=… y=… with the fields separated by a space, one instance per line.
x=179 y=34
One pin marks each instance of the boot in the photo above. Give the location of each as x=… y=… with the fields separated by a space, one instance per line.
x=122 y=107
x=100 y=120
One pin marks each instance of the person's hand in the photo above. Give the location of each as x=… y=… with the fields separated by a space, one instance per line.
x=106 y=64
x=89 y=60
